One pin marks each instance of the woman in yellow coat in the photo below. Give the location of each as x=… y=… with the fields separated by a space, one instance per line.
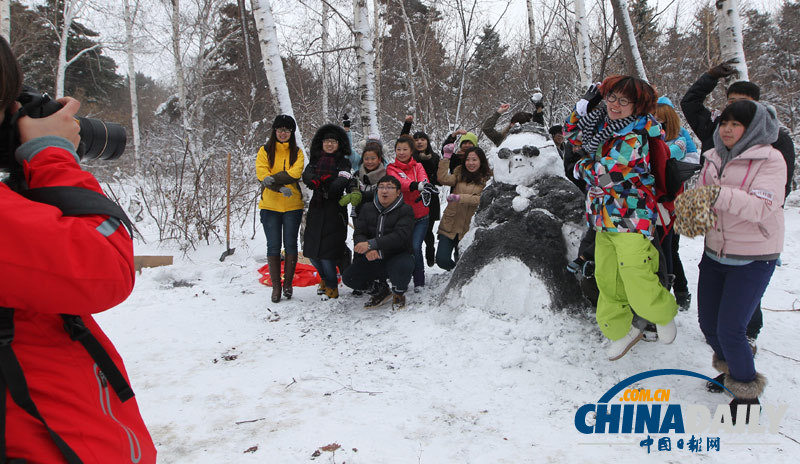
x=279 y=165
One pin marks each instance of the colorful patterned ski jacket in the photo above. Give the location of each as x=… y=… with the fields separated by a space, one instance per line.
x=621 y=196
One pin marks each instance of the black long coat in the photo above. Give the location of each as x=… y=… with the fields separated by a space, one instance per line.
x=326 y=222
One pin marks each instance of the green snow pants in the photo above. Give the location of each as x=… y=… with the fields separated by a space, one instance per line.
x=625 y=270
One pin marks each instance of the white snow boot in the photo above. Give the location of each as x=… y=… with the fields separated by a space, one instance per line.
x=617 y=348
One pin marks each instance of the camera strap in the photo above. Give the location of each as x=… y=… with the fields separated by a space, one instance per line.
x=13 y=379
x=78 y=201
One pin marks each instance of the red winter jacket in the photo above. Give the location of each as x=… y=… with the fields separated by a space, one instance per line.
x=407 y=173
x=51 y=264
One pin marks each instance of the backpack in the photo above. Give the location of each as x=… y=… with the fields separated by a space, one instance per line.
x=669 y=173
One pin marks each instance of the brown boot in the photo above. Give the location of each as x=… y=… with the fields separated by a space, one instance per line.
x=290 y=263
x=275 y=276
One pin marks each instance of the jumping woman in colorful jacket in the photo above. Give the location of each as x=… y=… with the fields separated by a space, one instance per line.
x=620 y=205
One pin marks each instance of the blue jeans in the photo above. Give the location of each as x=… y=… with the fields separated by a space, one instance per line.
x=726 y=299
x=327 y=271
x=417 y=238
x=288 y=224
x=444 y=251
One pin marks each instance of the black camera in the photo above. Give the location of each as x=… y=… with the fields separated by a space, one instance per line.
x=99 y=139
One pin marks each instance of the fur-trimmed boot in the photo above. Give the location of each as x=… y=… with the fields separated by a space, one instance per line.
x=290 y=263
x=745 y=394
x=274 y=263
x=722 y=367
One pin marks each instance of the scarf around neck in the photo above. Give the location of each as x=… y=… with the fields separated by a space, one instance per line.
x=597 y=128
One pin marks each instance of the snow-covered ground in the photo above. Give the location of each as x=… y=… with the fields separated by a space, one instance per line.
x=223 y=375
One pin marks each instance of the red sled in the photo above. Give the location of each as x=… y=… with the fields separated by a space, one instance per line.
x=305 y=275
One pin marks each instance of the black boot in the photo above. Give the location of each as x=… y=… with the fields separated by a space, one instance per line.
x=745 y=393
x=720 y=366
x=290 y=264
x=274 y=263
x=382 y=296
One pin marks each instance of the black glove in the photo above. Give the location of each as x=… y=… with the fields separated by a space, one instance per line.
x=426 y=196
x=345 y=120
x=593 y=96
x=724 y=69
x=430 y=188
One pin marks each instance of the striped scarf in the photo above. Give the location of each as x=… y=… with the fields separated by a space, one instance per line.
x=598 y=119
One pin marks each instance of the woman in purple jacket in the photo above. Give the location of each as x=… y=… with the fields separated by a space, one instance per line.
x=743 y=180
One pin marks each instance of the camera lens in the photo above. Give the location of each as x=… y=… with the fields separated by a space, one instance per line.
x=101 y=140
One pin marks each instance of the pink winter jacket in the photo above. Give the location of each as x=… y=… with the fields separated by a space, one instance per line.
x=407 y=173
x=750 y=203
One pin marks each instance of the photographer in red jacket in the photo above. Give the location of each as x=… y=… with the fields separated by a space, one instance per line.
x=60 y=400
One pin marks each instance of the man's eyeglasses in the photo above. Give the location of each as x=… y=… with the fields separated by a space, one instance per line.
x=387 y=187
x=621 y=100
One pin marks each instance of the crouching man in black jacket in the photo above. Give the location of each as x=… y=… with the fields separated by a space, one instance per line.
x=383 y=246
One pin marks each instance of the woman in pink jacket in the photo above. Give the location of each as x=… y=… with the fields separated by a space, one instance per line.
x=743 y=177
x=417 y=192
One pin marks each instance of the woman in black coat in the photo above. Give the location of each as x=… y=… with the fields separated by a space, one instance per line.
x=328 y=176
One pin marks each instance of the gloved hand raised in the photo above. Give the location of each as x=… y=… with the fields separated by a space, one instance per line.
x=590 y=99
x=724 y=69
x=447 y=151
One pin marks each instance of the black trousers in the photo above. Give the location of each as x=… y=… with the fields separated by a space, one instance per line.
x=397 y=269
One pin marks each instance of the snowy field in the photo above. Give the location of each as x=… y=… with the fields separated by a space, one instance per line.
x=222 y=375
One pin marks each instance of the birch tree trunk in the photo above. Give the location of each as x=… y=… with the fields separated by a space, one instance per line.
x=366 y=67
x=271 y=56
x=531 y=28
x=411 y=73
x=582 y=37
x=731 y=41
x=377 y=45
x=628 y=39
x=72 y=9
x=179 y=74
x=130 y=19
x=5 y=19
x=325 y=14
x=246 y=39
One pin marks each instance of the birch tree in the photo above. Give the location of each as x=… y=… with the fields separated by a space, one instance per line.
x=179 y=72
x=271 y=56
x=130 y=19
x=365 y=54
x=584 y=51
x=531 y=27
x=71 y=10
x=324 y=61
x=5 y=19
x=628 y=38
x=731 y=43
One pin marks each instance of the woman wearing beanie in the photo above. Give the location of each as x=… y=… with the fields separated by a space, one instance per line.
x=328 y=176
x=743 y=179
x=465 y=140
x=279 y=165
x=621 y=207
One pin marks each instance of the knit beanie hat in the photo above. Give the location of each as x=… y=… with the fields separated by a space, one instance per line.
x=470 y=137
x=284 y=121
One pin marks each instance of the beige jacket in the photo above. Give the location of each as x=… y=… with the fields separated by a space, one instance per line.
x=457 y=216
